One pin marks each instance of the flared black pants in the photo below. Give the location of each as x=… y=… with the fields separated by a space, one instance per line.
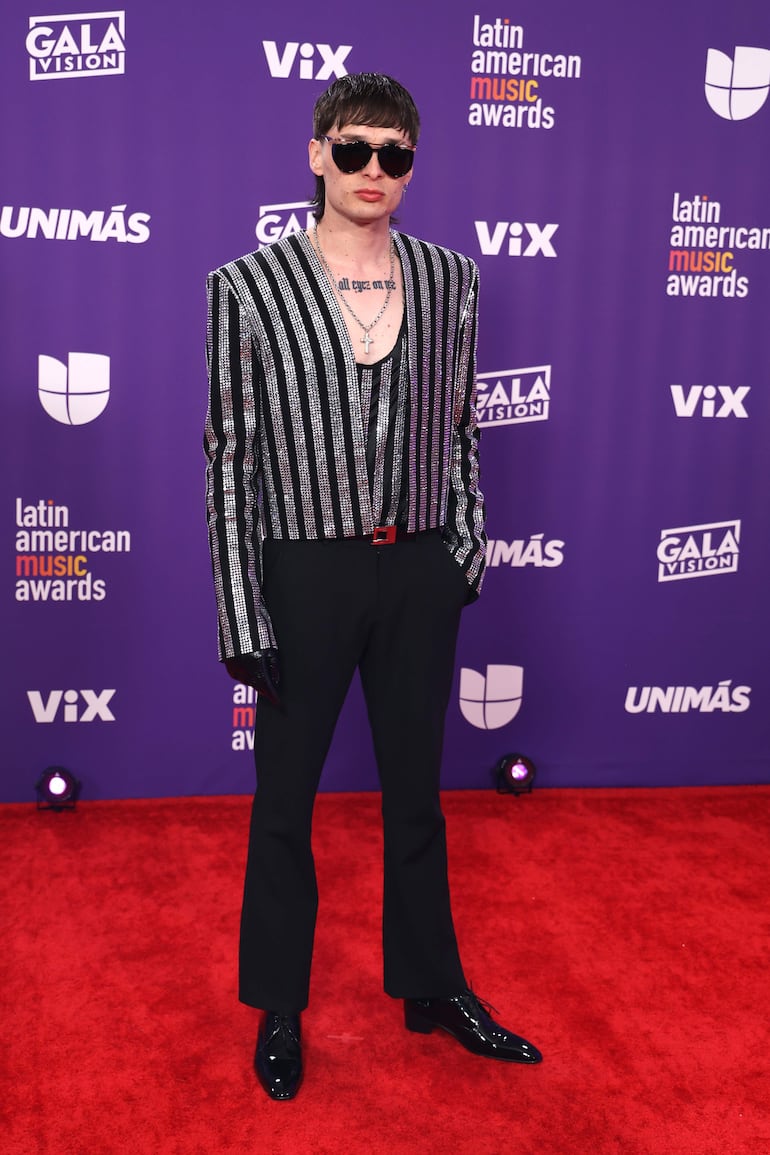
x=392 y=611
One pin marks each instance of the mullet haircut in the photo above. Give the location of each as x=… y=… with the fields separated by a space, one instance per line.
x=362 y=98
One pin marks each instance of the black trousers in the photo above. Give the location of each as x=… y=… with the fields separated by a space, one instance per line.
x=393 y=611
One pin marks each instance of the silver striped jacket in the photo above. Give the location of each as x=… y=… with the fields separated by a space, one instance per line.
x=284 y=432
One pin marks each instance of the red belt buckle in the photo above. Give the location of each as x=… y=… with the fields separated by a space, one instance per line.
x=384 y=535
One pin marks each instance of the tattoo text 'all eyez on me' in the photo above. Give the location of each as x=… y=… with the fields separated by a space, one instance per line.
x=345 y=284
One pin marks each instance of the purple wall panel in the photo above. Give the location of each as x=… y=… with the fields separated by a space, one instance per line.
x=615 y=411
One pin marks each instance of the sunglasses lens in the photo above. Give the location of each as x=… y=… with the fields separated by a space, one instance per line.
x=351 y=157
x=394 y=161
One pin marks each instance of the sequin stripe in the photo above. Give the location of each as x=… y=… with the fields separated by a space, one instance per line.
x=432 y=386
x=286 y=415
x=368 y=378
x=246 y=612
x=459 y=276
x=399 y=471
x=307 y=395
x=415 y=321
x=350 y=472
x=231 y=506
x=429 y=393
x=447 y=273
x=334 y=398
x=394 y=494
x=382 y=389
x=454 y=504
x=211 y=446
x=466 y=501
x=465 y=504
x=272 y=332
x=312 y=412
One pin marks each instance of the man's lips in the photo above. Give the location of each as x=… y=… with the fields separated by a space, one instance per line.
x=370 y=194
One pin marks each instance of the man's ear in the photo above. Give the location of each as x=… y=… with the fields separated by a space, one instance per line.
x=314 y=157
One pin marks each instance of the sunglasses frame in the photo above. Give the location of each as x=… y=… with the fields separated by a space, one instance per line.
x=338 y=143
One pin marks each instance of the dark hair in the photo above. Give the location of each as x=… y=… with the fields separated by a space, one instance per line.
x=362 y=98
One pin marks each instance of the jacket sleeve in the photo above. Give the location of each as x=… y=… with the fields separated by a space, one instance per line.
x=232 y=476
x=464 y=531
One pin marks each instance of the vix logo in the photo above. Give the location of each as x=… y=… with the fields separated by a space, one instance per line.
x=737 y=88
x=539 y=238
x=96 y=705
x=701 y=401
x=331 y=62
x=492 y=701
x=75 y=393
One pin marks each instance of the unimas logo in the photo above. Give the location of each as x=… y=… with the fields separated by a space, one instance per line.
x=699 y=551
x=737 y=86
x=86 y=44
x=724 y=698
x=492 y=700
x=533 y=551
x=305 y=61
x=71 y=224
x=508 y=86
x=279 y=221
x=76 y=392
x=513 y=396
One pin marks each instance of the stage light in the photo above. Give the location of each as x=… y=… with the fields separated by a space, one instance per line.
x=515 y=774
x=57 y=789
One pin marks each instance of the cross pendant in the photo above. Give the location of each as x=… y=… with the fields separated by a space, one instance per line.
x=366 y=341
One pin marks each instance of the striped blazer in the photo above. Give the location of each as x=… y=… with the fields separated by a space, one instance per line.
x=284 y=432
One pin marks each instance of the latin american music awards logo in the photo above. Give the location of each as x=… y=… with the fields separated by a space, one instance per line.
x=512 y=88
x=55 y=559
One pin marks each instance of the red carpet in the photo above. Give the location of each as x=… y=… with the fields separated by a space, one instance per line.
x=624 y=932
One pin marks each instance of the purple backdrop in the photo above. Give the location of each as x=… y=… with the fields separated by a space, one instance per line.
x=607 y=167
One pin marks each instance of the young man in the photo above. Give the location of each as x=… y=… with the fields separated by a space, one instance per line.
x=347 y=531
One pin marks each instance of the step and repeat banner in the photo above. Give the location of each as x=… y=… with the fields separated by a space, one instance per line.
x=608 y=168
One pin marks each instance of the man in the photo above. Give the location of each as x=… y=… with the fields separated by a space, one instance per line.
x=347 y=531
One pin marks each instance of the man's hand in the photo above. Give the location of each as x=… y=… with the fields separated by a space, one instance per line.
x=259 y=670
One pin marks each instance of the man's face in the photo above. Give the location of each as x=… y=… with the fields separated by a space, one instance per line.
x=368 y=194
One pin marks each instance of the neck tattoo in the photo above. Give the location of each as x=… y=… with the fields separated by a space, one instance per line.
x=366 y=340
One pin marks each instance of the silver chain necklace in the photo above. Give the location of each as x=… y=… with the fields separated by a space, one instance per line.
x=366 y=340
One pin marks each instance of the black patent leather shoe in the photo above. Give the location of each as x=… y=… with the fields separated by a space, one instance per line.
x=278 y=1059
x=467 y=1019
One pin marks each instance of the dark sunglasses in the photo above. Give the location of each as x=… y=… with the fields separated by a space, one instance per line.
x=395 y=160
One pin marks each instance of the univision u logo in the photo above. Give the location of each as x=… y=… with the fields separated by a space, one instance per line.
x=77 y=392
x=491 y=701
x=737 y=88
